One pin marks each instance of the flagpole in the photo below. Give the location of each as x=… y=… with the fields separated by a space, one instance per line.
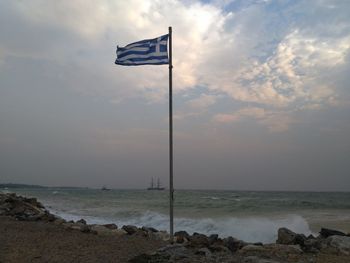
x=171 y=186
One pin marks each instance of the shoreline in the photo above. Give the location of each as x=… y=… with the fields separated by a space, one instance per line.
x=28 y=230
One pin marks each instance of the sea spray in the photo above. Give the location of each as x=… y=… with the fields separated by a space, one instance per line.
x=250 y=229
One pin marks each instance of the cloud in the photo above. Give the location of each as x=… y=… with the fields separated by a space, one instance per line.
x=273 y=120
x=86 y=32
x=256 y=113
x=233 y=53
x=203 y=101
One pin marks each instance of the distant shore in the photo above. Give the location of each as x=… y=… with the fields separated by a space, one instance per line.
x=30 y=233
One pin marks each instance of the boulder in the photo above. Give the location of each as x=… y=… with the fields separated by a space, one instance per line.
x=48 y=217
x=312 y=245
x=198 y=240
x=285 y=236
x=181 y=237
x=258 y=244
x=213 y=238
x=337 y=245
x=161 y=235
x=233 y=244
x=130 y=229
x=149 y=229
x=288 y=237
x=82 y=221
x=330 y=232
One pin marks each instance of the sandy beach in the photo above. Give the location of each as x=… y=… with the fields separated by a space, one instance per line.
x=39 y=241
x=23 y=241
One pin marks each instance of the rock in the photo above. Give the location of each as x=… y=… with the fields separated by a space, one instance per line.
x=258 y=244
x=337 y=245
x=130 y=229
x=312 y=245
x=162 y=235
x=182 y=233
x=181 y=236
x=198 y=240
x=213 y=238
x=329 y=232
x=34 y=202
x=288 y=237
x=111 y=226
x=285 y=236
x=24 y=209
x=149 y=229
x=48 y=217
x=82 y=221
x=233 y=244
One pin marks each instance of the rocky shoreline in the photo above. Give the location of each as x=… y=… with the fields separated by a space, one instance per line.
x=328 y=246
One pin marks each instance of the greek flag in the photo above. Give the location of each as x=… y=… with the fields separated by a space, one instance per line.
x=144 y=52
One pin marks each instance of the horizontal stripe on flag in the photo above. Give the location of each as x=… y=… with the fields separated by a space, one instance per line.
x=144 y=62
x=145 y=44
x=144 y=52
x=141 y=56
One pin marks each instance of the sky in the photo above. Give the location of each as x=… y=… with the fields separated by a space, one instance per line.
x=261 y=94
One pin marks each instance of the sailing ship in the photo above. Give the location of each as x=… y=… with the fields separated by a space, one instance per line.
x=104 y=188
x=155 y=187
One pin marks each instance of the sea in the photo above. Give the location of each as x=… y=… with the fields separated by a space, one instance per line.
x=251 y=216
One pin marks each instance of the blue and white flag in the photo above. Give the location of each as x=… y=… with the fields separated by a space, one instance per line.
x=144 y=52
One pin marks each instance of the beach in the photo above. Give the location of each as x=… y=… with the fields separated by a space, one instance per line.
x=30 y=233
x=23 y=241
x=39 y=241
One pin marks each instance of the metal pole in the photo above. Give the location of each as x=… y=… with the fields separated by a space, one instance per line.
x=171 y=186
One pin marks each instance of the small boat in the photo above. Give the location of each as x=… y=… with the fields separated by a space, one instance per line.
x=104 y=188
x=155 y=187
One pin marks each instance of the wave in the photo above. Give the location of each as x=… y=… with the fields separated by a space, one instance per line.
x=211 y=197
x=250 y=229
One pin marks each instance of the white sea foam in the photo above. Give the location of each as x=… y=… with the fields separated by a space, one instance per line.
x=250 y=229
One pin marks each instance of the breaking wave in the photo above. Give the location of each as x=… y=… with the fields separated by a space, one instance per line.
x=250 y=229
